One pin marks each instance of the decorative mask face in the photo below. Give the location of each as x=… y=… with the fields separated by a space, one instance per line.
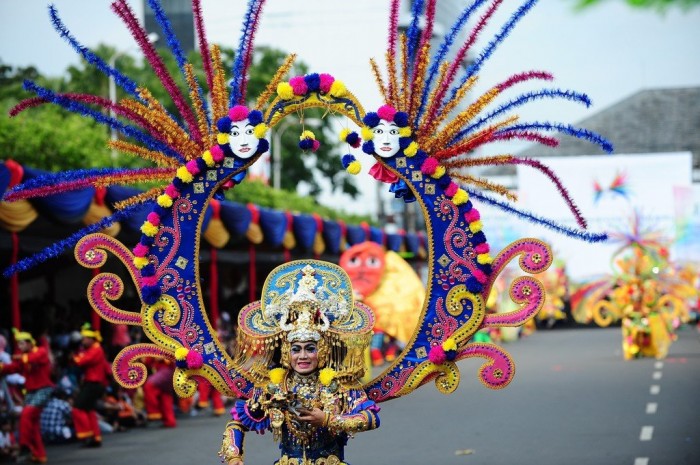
x=386 y=139
x=243 y=142
x=304 y=357
x=364 y=263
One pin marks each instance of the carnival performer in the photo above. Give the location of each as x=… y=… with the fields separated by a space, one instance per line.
x=158 y=393
x=33 y=362
x=313 y=402
x=95 y=369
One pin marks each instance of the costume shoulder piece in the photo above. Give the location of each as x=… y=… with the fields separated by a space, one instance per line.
x=422 y=141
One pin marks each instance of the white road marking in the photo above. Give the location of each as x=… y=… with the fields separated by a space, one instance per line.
x=651 y=407
x=657 y=375
x=658 y=365
x=641 y=461
x=647 y=433
x=654 y=389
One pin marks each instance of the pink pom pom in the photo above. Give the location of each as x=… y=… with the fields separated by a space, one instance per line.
x=227 y=185
x=192 y=167
x=472 y=215
x=153 y=218
x=149 y=280
x=326 y=82
x=299 y=85
x=140 y=250
x=217 y=154
x=482 y=248
x=437 y=355
x=479 y=275
x=387 y=112
x=238 y=113
x=194 y=360
x=451 y=190
x=429 y=165
x=172 y=192
x=315 y=146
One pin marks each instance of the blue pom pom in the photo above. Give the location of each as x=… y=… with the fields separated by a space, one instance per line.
x=201 y=164
x=181 y=363
x=306 y=144
x=371 y=119
x=160 y=211
x=353 y=139
x=478 y=238
x=263 y=146
x=313 y=82
x=451 y=355
x=405 y=142
x=444 y=181
x=224 y=124
x=368 y=147
x=473 y=285
x=401 y=119
x=150 y=294
x=255 y=117
x=486 y=268
x=468 y=206
x=347 y=159
x=148 y=270
x=177 y=182
x=147 y=240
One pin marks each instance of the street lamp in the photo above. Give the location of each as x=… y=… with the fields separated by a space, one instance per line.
x=152 y=38
x=277 y=146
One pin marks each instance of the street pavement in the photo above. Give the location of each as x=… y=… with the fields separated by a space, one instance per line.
x=573 y=401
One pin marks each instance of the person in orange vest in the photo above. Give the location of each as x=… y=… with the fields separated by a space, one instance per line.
x=158 y=393
x=32 y=362
x=92 y=360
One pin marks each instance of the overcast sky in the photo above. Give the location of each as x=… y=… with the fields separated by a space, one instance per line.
x=610 y=51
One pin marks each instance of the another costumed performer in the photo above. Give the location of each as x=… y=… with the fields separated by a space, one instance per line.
x=34 y=364
x=95 y=368
x=314 y=402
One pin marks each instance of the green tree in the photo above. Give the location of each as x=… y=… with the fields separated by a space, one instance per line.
x=661 y=5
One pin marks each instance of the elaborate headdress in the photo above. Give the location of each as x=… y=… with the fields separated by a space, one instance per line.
x=22 y=336
x=87 y=331
x=306 y=300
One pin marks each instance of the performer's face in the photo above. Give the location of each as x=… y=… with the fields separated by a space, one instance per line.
x=304 y=357
x=87 y=341
x=24 y=346
x=386 y=139
x=243 y=142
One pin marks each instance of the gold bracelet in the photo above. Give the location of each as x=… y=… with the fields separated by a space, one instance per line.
x=326 y=419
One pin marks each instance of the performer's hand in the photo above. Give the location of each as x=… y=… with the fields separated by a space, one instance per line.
x=314 y=416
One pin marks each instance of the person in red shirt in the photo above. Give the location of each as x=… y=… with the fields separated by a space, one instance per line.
x=92 y=360
x=158 y=393
x=34 y=364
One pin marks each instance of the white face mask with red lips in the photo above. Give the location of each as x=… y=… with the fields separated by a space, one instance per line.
x=242 y=139
x=386 y=139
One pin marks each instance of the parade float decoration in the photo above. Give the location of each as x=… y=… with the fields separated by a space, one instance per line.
x=556 y=286
x=387 y=284
x=422 y=141
x=645 y=293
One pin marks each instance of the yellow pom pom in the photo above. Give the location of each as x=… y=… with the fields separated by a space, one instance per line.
x=165 y=201
x=344 y=134
x=181 y=353
x=449 y=344
x=460 y=197
x=277 y=375
x=149 y=229
x=405 y=132
x=260 y=130
x=439 y=172
x=307 y=135
x=367 y=133
x=208 y=159
x=484 y=259
x=476 y=226
x=285 y=91
x=140 y=262
x=222 y=138
x=184 y=175
x=338 y=89
x=411 y=150
x=354 y=167
x=326 y=376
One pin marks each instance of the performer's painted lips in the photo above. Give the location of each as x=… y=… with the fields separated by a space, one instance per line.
x=244 y=149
